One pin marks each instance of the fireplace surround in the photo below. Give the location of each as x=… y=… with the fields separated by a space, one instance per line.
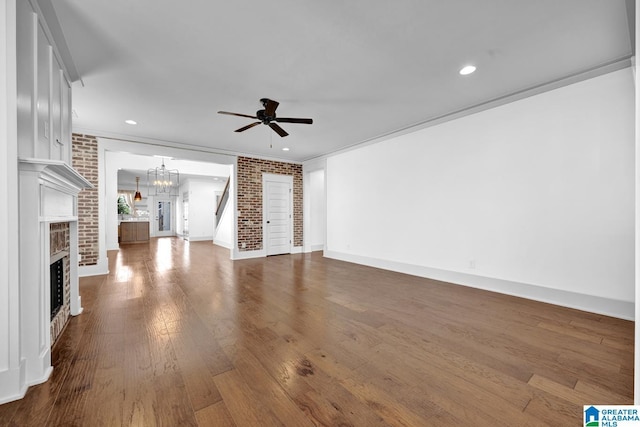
x=60 y=283
x=48 y=230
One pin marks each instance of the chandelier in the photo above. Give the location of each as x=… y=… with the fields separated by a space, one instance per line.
x=162 y=181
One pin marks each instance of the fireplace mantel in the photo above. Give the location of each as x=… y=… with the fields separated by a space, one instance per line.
x=48 y=193
x=60 y=184
x=56 y=170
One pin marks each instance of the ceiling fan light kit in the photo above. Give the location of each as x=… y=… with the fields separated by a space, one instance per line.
x=268 y=117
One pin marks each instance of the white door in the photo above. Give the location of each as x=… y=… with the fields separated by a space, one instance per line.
x=164 y=218
x=185 y=215
x=277 y=217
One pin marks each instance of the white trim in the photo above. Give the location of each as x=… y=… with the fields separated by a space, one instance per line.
x=200 y=238
x=177 y=145
x=75 y=301
x=57 y=173
x=297 y=250
x=590 y=303
x=13 y=385
x=237 y=255
x=315 y=248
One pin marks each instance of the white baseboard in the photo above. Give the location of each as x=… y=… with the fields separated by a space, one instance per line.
x=313 y=248
x=222 y=243
x=13 y=385
x=199 y=238
x=594 y=304
x=102 y=267
x=236 y=254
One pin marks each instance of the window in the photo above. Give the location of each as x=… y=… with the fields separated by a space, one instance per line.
x=123 y=206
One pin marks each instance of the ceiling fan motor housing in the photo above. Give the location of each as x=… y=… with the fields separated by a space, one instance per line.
x=262 y=116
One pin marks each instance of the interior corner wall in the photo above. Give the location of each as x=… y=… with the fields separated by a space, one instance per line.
x=532 y=198
x=249 y=200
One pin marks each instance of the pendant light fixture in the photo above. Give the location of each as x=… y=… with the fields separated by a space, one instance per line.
x=137 y=196
x=162 y=181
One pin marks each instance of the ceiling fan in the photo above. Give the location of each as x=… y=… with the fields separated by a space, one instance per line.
x=268 y=117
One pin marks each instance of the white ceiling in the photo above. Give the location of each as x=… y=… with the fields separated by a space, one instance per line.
x=361 y=69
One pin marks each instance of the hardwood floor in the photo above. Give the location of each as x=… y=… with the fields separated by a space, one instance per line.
x=179 y=335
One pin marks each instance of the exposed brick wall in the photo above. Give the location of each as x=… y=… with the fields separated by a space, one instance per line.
x=250 y=200
x=58 y=242
x=85 y=161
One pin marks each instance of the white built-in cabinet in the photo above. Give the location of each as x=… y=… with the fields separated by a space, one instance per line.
x=44 y=92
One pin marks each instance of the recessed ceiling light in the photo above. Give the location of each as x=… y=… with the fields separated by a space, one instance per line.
x=285 y=149
x=131 y=122
x=467 y=69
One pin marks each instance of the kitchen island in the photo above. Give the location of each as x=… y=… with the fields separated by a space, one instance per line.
x=133 y=231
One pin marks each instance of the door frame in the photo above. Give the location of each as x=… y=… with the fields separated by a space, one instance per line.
x=185 y=216
x=173 y=231
x=287 y=179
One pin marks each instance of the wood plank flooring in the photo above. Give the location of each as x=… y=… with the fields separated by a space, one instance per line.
x=179 y=335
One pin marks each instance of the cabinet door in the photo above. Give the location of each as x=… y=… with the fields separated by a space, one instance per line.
x=65 y=118
x=42 y=148
x=127 y=232
x=26 y=36
x=142 y=231
x=56 y=111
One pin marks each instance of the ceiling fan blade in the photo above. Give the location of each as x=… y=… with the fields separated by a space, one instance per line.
x=278 y=129
x=242 y=129
x=237 y=114
x=269 y=106
x=293 y=120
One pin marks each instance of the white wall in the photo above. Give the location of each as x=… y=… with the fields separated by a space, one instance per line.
x=202 y=208
x=637 y=235
x=12 y=375
x=224 y=231
x=316 y=210
x=533 y=198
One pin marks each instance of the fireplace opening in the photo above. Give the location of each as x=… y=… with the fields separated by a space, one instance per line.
x=57 y=286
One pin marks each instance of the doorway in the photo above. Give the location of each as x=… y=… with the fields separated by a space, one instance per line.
x=277 y=193
x=164 y=218
x=185 y=215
